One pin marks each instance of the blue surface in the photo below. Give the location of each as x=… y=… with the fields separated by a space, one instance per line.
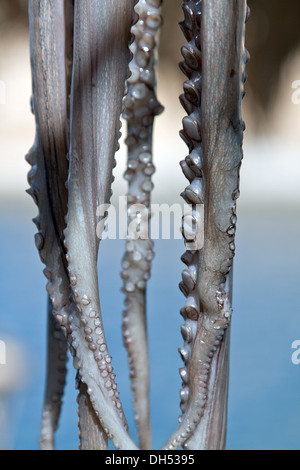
x=264 y=406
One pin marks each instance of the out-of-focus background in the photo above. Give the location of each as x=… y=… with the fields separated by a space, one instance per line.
x=264 y=406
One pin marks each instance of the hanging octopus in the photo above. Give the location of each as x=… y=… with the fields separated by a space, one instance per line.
x=91 y=61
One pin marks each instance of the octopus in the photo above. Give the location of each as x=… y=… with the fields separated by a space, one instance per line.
x=91 y=61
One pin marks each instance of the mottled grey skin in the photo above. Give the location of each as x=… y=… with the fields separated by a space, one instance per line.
x=47 y=180
x=101 y=36
x=141 y=107
x=214 y=63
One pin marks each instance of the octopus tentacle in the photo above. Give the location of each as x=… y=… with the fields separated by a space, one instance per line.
x=101 y=35
x=141 y=107
x=211 y=431
x=55 y=382
x=91 y=433
x=47 y=187
x=210 y=434
x=69 y=50
x=213 y=131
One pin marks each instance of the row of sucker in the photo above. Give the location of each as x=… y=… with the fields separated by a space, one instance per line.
x=89 y=185
x=140 y=108
x=223 y=293
x=193 y=193
x=56 y=380
x=203 y=328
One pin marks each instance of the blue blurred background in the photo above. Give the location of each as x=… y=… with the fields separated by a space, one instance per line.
x=264 y=406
